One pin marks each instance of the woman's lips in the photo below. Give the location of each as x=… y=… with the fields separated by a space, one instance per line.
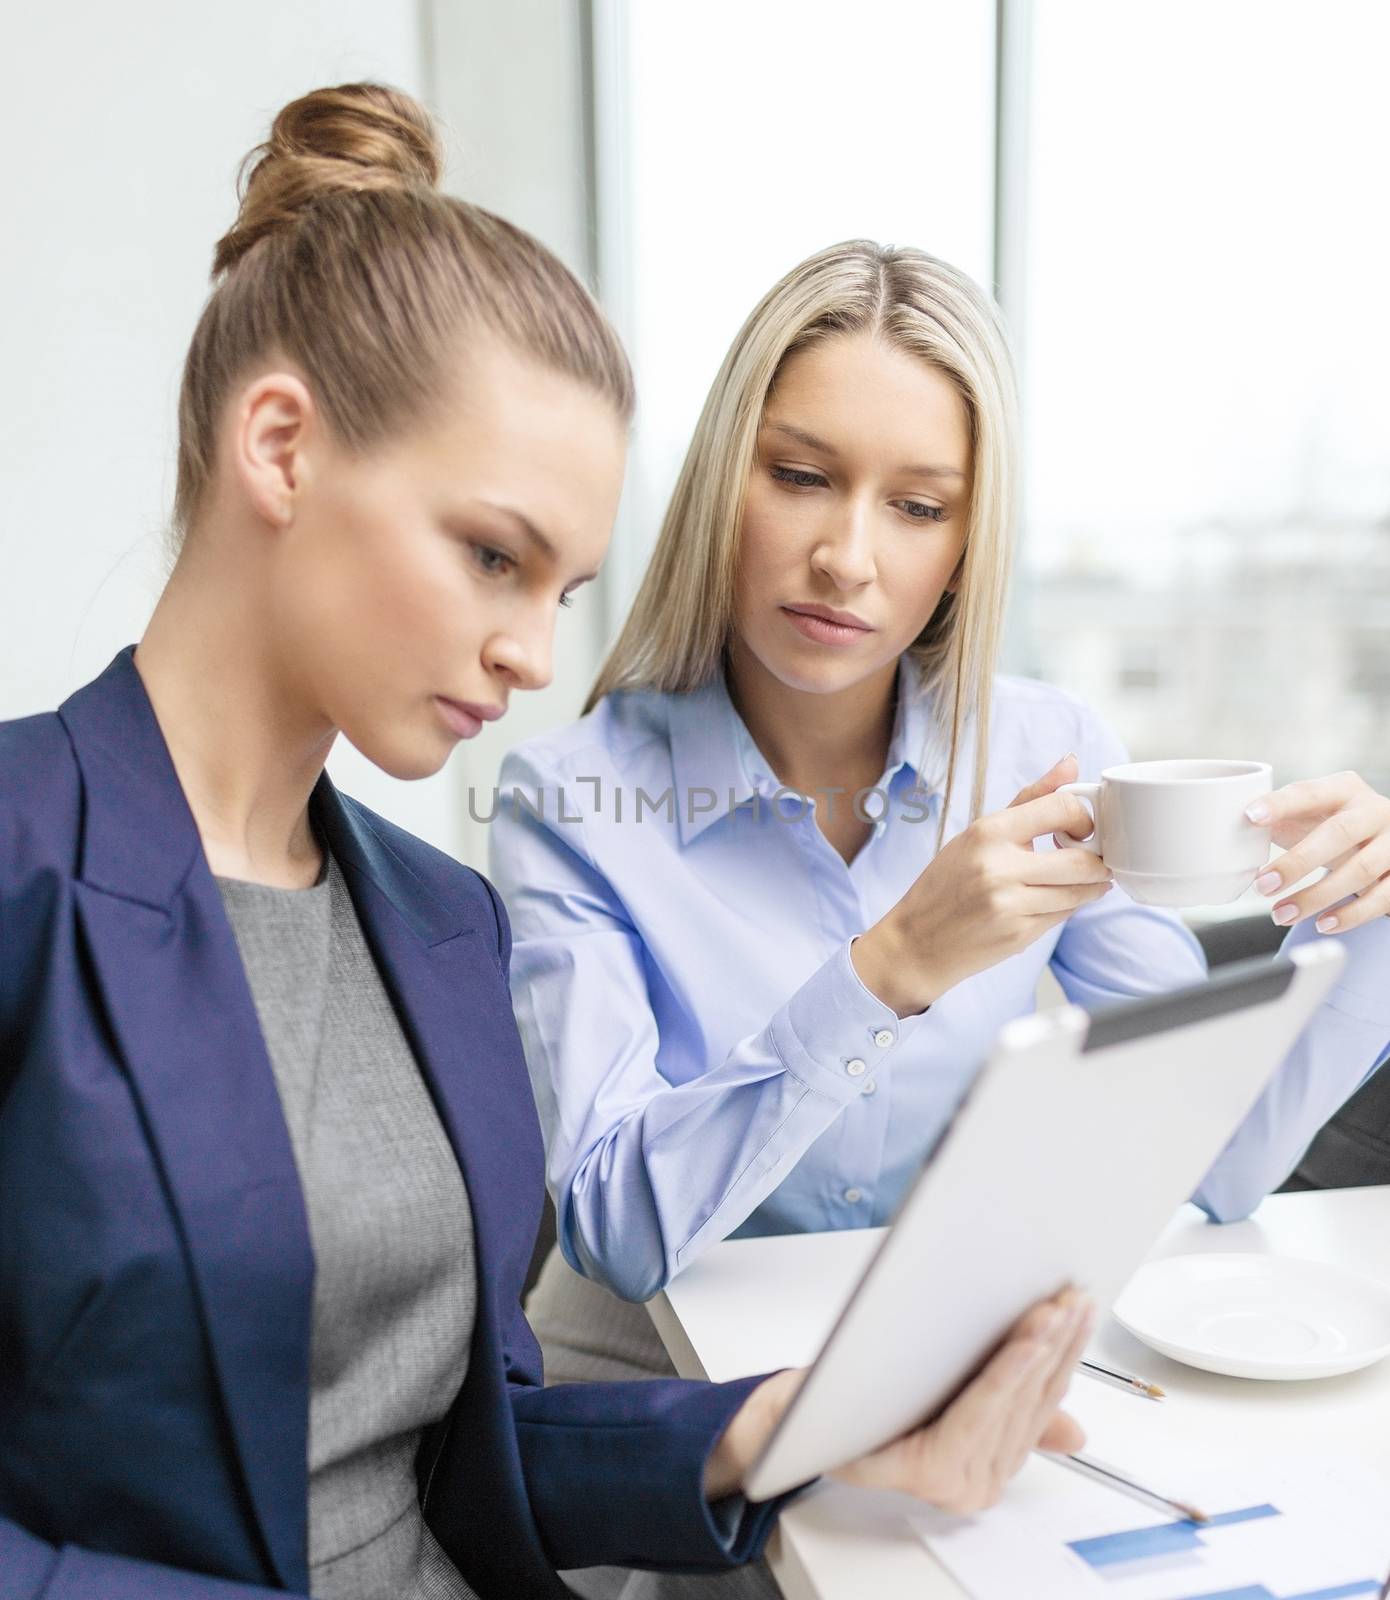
x=822 y=630
x=465 y=721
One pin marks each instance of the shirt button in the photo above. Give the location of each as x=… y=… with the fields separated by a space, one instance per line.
x=853 y=1197
x=871 y=1087
x=883 y=1038
x=855 y=1067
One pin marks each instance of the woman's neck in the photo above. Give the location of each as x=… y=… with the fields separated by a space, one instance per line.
x=815 y=741
x=247 y=750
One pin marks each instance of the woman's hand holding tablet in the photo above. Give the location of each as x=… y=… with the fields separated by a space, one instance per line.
x=962 y=1459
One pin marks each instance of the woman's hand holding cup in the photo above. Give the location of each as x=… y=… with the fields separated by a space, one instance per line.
x=1340 y=823
x=987 y=895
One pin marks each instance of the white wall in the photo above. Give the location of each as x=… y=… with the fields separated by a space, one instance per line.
x=126 y=124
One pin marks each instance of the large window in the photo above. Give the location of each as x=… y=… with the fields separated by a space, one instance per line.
x=1203 y=257
x=1192 y=248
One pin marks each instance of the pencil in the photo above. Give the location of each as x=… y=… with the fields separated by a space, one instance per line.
x=1113 y=1478
x=1122 y=1380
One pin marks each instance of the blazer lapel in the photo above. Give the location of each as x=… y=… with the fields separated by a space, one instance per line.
x=438 y=962
x=176 y=997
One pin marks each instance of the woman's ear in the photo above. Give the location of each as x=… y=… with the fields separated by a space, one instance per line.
x=274 y=419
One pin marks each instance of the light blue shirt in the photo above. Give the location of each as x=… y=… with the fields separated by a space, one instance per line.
x=705 y=1059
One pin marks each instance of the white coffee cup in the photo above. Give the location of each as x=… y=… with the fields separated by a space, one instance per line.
x=1175 y=833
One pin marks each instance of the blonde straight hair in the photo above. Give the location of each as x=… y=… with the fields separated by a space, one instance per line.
x=676 y=635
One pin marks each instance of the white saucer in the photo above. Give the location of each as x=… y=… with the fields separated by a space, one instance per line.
x=1258 y=1316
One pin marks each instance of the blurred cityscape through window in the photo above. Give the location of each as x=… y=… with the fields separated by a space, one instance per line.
x=1205 y=338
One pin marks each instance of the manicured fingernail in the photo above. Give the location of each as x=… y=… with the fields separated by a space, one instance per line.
x=1257 y=811
x=1268 y=882
x=1326 y=924
x=1285 y=914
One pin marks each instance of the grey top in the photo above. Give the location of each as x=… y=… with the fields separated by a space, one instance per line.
x=392 y=1234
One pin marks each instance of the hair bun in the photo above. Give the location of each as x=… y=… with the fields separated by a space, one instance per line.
x=357 y=136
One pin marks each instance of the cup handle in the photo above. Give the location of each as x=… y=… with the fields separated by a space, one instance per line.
x=1089 y=795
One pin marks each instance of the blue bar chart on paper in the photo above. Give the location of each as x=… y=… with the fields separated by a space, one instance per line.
x=1314 y=1536
x=1168 y=1547
x=1342 y=1591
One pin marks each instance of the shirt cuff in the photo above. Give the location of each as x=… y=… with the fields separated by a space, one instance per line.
x=834 y=1034
x=741 y=1525
x=25 y=1561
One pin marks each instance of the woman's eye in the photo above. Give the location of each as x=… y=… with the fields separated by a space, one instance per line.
x=798 y=477
x=920 y=511
x=566 y=600
x=494 y=562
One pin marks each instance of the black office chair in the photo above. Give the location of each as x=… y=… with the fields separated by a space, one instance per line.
x=1239 y=938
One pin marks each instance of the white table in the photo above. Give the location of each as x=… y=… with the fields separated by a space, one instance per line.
x=750 y=1305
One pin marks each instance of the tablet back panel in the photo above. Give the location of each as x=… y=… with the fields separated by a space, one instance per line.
x=1078 y=1141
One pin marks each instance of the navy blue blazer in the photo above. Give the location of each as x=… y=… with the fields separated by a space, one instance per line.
x=155 y=1263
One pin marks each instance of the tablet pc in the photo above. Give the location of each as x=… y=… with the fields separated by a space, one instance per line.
x=1079 y=1139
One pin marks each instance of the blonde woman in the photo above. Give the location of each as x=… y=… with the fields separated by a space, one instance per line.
x=774 y=894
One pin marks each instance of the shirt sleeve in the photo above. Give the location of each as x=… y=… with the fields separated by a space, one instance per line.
x=1116 y=950
x=615 y=1474
x=646 y=1173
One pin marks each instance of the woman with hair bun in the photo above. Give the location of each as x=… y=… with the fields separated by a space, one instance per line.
x=271 y=1167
